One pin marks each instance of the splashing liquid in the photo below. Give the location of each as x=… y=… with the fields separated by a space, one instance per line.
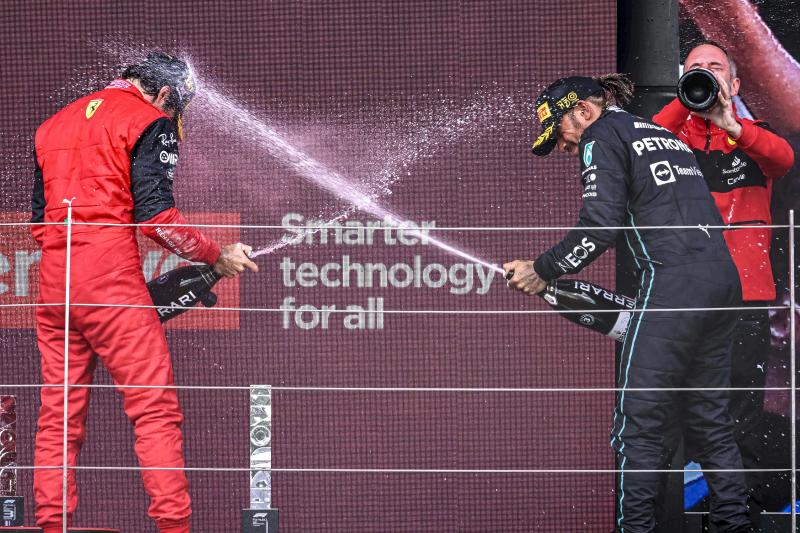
x=440 y=130
x=363 y=197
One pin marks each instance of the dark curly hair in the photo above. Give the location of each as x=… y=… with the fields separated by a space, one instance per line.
x=159 y=70
x=617 y=90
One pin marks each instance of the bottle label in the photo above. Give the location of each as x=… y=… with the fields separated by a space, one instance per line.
x=620 y=326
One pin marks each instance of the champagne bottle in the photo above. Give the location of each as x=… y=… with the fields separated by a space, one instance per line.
x=576 y=295
x=179 y=289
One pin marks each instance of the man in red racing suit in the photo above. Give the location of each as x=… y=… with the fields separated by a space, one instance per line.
x=112 y=154
x=740 y=160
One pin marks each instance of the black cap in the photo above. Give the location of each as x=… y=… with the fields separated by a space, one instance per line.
x=559 y=97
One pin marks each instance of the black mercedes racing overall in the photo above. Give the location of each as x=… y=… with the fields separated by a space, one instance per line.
x=638 y=175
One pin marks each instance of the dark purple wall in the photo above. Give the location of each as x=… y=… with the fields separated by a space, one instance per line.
x=354 y=83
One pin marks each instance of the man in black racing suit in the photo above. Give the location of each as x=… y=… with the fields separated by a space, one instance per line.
x=638 y=175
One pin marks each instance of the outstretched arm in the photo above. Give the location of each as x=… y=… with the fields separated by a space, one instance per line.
x=152 y=171
x=153 y=161
x=604 y=171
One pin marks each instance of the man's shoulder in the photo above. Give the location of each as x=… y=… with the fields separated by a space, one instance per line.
x=111 y=109
x=73 y=105
x=126 y=109
x=110 y=98
x=130 y=102
x=614 y=124
x=611 y=119
x=66 y=113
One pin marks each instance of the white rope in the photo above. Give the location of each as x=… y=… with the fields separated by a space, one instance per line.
x=64 y=477
x=410 y=470
x=65 y=467
x=762 y=513
x=445 y=311
x=397 y=389
x=400 y=226
x=35 y=304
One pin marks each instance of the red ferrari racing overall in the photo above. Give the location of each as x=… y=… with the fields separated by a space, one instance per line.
x=112 y=154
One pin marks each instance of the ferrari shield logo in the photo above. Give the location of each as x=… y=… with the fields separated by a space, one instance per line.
x=92 y=107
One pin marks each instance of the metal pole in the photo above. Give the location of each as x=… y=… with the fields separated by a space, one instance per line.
x=793 y=391
x=648 y=50
x=65 y=470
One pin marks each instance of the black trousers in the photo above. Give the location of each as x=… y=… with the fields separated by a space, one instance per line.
x=763 y=439
x=678 y=349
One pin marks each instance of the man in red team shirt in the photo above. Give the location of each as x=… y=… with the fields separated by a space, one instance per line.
x=739 y=158
x=113 y=155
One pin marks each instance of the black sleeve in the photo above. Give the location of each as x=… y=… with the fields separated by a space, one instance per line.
x=764 y=126
x=153 y=161
x=37 y=200
x=604 y=172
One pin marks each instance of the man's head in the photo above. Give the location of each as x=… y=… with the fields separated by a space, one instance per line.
x=709 y=55
x=166 y=80
x=570 y=105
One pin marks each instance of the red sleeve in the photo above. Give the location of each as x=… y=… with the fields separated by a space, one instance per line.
x=184 y=241
x=672 y=116
x=772 y=153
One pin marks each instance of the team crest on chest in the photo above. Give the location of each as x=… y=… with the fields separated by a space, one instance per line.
x=92 y=107
x=587 y=153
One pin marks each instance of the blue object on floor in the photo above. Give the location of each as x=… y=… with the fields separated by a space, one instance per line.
x=788 y=508
x=694 y=492
x=695 y=487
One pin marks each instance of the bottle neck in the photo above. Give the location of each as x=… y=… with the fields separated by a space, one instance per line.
x=210 y=275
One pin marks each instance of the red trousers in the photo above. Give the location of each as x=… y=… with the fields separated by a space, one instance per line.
x=130 y=343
